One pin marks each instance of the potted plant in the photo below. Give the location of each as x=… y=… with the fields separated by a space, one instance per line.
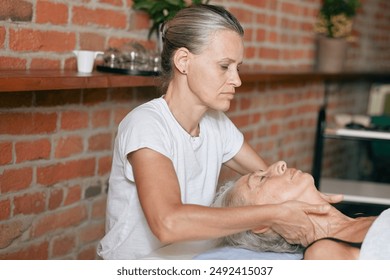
x=334 y=27
x=160 y=11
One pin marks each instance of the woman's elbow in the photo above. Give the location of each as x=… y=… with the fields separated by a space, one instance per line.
x=166 y=229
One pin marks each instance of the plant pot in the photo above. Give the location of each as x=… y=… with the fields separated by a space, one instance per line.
x=331 y=54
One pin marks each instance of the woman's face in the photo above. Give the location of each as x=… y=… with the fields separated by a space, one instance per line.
x=277 y=184
x=213 y=74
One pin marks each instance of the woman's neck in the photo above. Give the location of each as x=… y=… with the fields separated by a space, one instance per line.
x=185 y=107
x=336 y=224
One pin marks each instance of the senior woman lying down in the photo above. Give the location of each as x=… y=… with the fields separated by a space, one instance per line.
x=337 y=236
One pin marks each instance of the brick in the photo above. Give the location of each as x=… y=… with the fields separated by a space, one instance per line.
x=27 y=123
x=272 y=37
x=73 y=120
x=73 y=195
x=55 y=221
x=233 y=106
x=70 y=64
x=15 y=179
x=99 y=208
x=32 y=150
x=274 y=130
x=98 y=17
x=260 y=35
x=241 y=121
x=55 y=173
x=250 y=52
x=139 y=20
x=55 y=198
x=245 y=103
x=40 y=40
x=289 y=8
x=91 y=232
x=68 y=146
x=271 y=21
x=268 y=53
x=100 y=142
x=104 y=165
x=261 y=18
x=5 y=209
x=16 y=10
x=44 y=64
x=88 y=253
x=92 y=41
x=244 y=16
x=31 y=203
x=5 y=153
x=63 y=245
x=54 y=13
x=10 y=231
x=38 y=251
x=2 y=36
x=256 y=3
x=247 y=87
x=112 y=2
x=101 y=118
x=119 y=114
x=12 y=63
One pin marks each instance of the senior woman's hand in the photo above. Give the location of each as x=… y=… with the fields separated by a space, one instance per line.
x=332 y=198
x=294 y=224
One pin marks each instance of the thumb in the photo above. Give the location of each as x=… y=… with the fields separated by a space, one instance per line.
x=318 y=209
x=332 y=198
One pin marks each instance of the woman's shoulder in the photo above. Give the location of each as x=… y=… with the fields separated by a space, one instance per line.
x=145 y=112
x=153 y=106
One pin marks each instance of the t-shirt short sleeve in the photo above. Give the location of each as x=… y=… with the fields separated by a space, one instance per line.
x=142 y=129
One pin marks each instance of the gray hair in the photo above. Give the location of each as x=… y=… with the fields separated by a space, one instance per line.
x=191 y=28
x=269 y=241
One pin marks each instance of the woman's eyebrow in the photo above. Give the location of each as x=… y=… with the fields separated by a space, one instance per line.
x=230 y=60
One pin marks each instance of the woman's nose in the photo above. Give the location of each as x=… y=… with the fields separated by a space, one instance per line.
x=280 y=167
x=235 y=80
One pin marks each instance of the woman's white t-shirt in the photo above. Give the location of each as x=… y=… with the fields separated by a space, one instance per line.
x=197 y=162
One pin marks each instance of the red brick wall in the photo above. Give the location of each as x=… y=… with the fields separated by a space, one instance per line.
x=56 y=146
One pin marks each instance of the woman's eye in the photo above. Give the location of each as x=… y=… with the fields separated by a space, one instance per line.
x=261 y=178
x=225 y=67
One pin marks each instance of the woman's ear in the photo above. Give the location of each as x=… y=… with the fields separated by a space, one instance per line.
x=260 y=229
x=180 y=59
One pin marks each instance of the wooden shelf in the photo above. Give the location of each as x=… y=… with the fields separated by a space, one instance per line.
x=13 y=81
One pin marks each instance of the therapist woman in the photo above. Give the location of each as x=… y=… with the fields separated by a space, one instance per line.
x=169 y=151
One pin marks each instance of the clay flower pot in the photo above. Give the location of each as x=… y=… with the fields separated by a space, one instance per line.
x=331 y=54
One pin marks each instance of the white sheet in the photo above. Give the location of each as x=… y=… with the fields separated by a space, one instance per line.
x=376 y=244
x=231 y=253
x=182 y=250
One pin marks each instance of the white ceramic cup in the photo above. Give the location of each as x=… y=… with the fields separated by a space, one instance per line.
x=85 y=60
